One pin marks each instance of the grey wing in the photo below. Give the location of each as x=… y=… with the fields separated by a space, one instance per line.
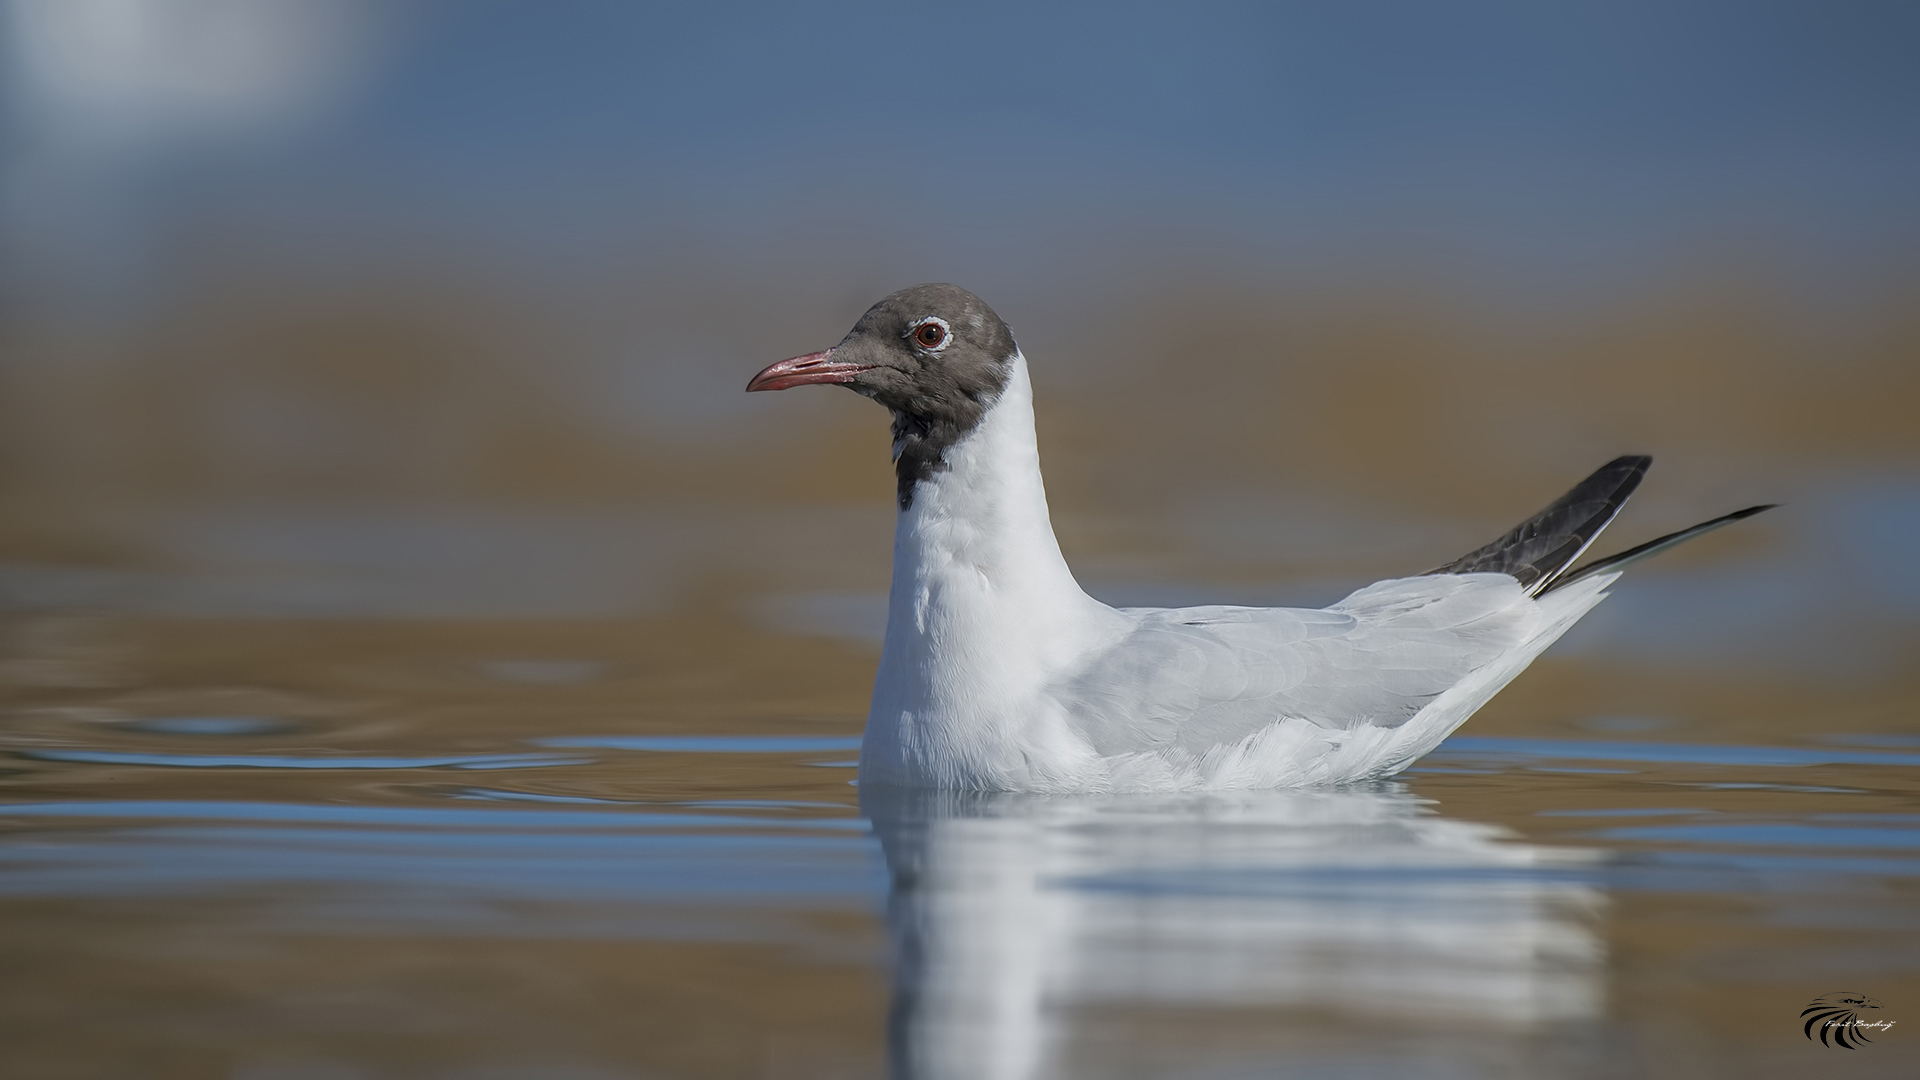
x=1200 y=677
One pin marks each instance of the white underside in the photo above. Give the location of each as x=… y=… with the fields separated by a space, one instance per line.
x=999 y=673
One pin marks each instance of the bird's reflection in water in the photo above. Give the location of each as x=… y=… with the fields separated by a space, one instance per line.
x=1011 y=914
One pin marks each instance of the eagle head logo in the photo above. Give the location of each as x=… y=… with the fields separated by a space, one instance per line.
x=1837 y=1017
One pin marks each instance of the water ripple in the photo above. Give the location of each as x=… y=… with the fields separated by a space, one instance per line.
x=710 y=744
x=1479 y=746
x=287 y=761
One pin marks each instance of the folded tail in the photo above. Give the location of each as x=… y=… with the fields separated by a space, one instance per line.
x=1538 y=551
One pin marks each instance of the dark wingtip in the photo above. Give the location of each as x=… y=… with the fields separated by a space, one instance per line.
x=1539 y=549
x=1654 y=547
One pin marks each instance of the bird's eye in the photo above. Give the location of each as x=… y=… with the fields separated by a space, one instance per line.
x=930 y=334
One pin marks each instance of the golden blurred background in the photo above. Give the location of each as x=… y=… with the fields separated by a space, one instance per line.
x=377 y=369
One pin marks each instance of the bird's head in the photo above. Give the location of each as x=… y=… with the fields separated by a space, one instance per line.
x=921 y=351
x=935 y=355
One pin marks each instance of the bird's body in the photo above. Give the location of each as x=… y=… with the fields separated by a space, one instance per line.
x=1000 y=673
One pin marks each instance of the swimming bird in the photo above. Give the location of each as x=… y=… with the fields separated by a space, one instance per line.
x=999 y=673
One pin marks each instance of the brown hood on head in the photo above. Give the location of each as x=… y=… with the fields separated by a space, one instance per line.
x=935 y=355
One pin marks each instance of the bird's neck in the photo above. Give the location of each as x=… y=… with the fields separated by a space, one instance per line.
x=977 y=531
x=983 y=616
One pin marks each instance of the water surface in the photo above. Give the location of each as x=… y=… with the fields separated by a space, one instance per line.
x=409 y=858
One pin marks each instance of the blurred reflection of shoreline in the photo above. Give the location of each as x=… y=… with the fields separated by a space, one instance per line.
x=1358 y=908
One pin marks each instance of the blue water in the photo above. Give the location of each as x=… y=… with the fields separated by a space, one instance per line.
x=1474 y=894
x=709 y=744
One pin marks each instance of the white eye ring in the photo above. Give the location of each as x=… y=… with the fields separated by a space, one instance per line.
x=913 y=333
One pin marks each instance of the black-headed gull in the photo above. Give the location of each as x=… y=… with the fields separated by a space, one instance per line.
x=1000 y=673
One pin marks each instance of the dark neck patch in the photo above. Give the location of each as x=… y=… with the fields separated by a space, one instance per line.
x=921 y=441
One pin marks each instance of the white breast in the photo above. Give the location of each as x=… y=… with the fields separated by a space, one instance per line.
x=982 y=616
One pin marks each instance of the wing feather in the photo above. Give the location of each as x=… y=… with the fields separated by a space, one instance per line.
x=1195 y=678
